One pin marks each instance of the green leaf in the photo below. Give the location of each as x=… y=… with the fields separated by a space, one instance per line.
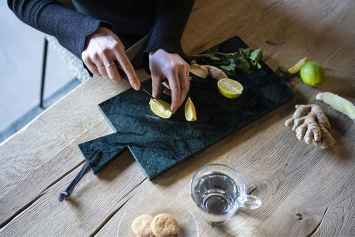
x=257 y=55
x=245 y=52
x=245 y=65
x=244 y=59
x=284 y=74
x=229 y=68
x=213 y=57
x=220 y=62
x=282 y=69
x=235 y=55
x=212 y=50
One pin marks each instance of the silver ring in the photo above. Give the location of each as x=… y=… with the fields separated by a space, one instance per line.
x=109 y=64
x=189 y=78
x=100 y=67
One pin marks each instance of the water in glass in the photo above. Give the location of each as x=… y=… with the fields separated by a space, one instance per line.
x=217 y=193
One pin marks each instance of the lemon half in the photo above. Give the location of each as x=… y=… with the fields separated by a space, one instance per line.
x=190 y=111
x=229 y=88
x=163 y=109
x=297 y=66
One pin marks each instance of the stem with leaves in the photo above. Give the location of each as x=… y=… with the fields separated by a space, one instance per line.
x=245 y=59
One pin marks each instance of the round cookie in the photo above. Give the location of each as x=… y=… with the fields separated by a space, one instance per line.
x=164 y=225
x=141 y=226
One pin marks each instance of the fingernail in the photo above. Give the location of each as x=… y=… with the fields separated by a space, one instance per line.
x=136 y=86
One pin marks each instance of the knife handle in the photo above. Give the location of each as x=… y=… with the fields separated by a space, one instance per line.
x=123 y=74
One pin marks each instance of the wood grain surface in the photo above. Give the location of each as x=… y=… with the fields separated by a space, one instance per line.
x=305 y=191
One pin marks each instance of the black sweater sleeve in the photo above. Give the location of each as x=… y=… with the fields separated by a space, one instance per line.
x=166 y=33
x=68 y=26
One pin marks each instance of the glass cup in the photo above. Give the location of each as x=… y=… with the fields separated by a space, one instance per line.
x=219 y=191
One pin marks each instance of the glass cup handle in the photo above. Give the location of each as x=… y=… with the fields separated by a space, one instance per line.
x=252 y=202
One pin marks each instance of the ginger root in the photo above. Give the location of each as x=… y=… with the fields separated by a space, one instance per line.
x=215 y=72
x=311 y=125
x=204 y=70
x=198 y=70
x=338 y=103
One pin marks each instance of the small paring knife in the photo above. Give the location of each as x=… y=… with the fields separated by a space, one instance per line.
x=124 y=76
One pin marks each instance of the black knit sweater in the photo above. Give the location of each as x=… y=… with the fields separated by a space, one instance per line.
x=163 y=21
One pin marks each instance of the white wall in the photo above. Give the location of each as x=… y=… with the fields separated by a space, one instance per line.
x=21 y=50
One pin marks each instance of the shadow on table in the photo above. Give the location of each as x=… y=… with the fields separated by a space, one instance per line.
x=117 y=166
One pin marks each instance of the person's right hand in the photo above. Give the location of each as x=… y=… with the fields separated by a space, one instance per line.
x=104 y=52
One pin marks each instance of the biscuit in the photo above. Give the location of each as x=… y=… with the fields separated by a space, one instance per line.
x=141 y=226
x=164 y=225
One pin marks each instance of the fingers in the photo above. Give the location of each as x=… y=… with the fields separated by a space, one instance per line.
x=127 y=67
x=179 y=85
x=93 y=68
x=104 y=53
x=111 y=68
x=91 y=65
x=157 y=85
x=176 y=70
x=184 y=83
x=175 y=88
x=166 y=84
x=167 y=92
x=98 y=64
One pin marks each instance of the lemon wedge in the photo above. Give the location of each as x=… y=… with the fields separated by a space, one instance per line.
x=297 y=66
x=162 y=110
x=229 y=88
x=190 y=111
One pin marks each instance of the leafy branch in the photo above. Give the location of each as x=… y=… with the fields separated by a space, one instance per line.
x=245 y=59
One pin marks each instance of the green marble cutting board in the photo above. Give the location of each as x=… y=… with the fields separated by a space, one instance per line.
x=158 y=144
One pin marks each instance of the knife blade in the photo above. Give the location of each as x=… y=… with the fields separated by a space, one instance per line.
x=130 y=54
x=124 y=76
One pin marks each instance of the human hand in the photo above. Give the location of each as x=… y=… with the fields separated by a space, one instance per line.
x=175 y=69
x=104 y=52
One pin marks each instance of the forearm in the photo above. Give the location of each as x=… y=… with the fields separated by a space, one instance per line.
x=166 y=33
x=49 y=16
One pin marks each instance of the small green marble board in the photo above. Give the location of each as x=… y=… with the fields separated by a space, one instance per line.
x=159 y=144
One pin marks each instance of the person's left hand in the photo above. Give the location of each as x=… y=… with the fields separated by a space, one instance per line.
x=176 y=70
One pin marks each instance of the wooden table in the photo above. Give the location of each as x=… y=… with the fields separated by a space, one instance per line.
x=305 y=190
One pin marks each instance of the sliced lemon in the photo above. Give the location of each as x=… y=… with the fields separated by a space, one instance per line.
x=229 y=88
x=190 y=111
x=297 y=66
x=162 y=110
